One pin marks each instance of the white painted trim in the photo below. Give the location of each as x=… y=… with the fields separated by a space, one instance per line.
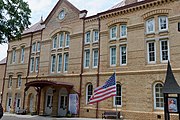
x=111 y=56
x=149 y=32
x=164 y=61
x=114 y=97
x=151 y=62
x=162 y=30
x=97 y=57
x=85 y=58
x=121 y=55
x=113 y=38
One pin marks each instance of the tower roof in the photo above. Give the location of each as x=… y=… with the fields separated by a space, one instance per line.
x=170 y=86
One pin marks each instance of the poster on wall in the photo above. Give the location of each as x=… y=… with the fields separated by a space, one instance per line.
x=172 y=105
x=73 y=103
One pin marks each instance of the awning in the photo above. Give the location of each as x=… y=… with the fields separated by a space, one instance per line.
x=43 y=83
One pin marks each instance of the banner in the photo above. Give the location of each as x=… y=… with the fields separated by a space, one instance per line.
x=73 y=103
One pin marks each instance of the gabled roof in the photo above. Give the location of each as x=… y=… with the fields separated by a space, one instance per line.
x=170 y=86
x=56 y=7
x=3 y=61
x=36 y=27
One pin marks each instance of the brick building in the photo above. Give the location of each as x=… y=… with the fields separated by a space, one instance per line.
x=70 y=53
x=2 y=70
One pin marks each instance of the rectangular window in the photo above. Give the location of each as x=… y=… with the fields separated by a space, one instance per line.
x=38 y=47
x=95 y=58
x=53 y=63
x=113 y=33
x=61 y=39
x=22 y=55
x=19 y=81
x=10 y=82
x=32 y=65
x=150 y=26
x=113 y=56
x=151 y=52
x=59 y=62
x=87 y=58
x=163 y=23
x=14 y=56
x=33 y=47
x=95 y=36
x=67 y=39
x=123 y=31
x=66 y=60
x=164 y=50
x=123 y=56
x=87 y=37
x=54 y=42
x=37 y=64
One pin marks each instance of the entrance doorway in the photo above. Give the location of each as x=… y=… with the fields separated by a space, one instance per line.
x=18 y=103
x=49 y=101
x=31 y=103
x=9 y=102
x=63 y=100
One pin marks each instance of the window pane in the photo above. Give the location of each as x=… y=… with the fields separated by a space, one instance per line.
x=89 y=91
x=87 y=37
x=113 y=56
x=22 y=54
x=37 y=64
x=87 y=58
x=123 y=31
x=59 y=62
x=113 y=32
x=159 y=96
x=96 y=36
x=95 y=58
x=32 y=65
x=54 y=42
x=150 y=25
x=61 y=38
x=123 y=55
x=163 y=23
x=53 y=63
x=67 y=39
x=164 y=50
x=66 y=59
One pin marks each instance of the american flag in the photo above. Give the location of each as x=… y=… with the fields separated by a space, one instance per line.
x=105 y=91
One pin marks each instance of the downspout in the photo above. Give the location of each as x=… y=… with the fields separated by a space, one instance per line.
x=98 y=69
x=82 y=61
x=24 y=97
x=4 y=78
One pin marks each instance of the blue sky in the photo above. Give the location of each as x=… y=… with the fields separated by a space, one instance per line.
x=43 y=8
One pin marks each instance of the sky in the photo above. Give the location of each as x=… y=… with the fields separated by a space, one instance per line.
x=41 y=8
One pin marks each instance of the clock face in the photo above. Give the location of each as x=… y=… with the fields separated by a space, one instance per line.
x=62 y=14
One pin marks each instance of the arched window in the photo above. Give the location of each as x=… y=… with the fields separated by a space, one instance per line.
x=158 y=96
x=89 y=92
x=118 y=97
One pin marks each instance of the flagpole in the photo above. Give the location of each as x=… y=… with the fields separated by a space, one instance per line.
x=116 y=97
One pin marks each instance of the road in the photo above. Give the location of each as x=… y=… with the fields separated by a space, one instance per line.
x=8 y=116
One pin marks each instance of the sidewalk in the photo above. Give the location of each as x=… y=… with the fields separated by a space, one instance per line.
x=36 y=117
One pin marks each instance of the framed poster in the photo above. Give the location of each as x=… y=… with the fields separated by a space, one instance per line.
x=172 y=105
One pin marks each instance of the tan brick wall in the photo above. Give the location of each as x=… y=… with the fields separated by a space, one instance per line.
x=137 y=77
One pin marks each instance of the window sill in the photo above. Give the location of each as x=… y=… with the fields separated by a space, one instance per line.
x=113 y=39
x=150 y=33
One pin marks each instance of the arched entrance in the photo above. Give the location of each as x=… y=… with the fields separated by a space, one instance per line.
x=63 y=101
x=49 y=100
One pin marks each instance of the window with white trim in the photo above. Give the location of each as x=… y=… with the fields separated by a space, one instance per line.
x=32 y=64
x=164 y=50
x=54 y=42
x=89 y=92
x=19 y=82
x=53 y=63
x=150 y=26
x=37 y=64
x=66 y=61
x=95 y=58
x=61 y=39
x=151 y=49
x=22 y=54
x=123 y=31
x=113 y=32
x=14 y=56
x=118 y=97
x=163 y=23
x=113 y=56
x=38 y=47
x=158 y=96
x=10 y=81
x=59 y=63
x=33 y=47
x=86 y=58
x=123 y=56
x=95 y=36
x=67 y=40
x=87 y=37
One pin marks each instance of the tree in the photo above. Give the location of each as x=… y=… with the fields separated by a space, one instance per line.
x=14 y=18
